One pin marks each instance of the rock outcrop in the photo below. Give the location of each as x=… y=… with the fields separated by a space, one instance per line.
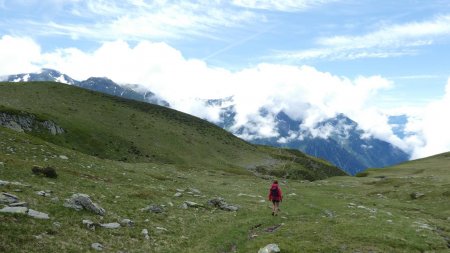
x=28 y=123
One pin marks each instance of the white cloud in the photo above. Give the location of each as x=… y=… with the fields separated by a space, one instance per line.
x=431 y=128
x=18 y=55
x=301 y=92
x=135 y=20
x=285 y=5
x=387 y=41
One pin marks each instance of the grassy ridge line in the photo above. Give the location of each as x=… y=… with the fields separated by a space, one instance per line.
x=119 y=129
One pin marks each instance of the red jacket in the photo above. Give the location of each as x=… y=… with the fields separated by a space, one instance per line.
x=275 y=193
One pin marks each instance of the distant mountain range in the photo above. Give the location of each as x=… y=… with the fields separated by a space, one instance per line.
x=100 y=84
x=344 y=145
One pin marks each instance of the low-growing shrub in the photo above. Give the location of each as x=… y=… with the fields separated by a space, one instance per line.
x=47 y=171
x=362 y=174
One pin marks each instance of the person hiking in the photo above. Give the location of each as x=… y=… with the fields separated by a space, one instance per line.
x=276 y=197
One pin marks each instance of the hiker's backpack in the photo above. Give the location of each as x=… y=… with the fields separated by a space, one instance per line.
x=274 y=192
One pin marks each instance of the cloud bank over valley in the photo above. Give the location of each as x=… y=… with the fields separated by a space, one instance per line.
x=301 y=91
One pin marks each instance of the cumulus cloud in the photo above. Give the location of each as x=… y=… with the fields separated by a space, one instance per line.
x=18 y=55
x=429 y=129
x=302 y=92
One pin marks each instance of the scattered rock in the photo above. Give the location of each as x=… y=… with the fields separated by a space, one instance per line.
x=416 y=195
x=24 y=204
x=80 y=201
x=153 y=208
x=127 y=223
x=178 y=194
x=90 y=224
x=145 y=233
x=57 y=224
x=97 y=246
x=37 y=215
x=329 y=213
x=422 y=225
x=63 y=157
x=8 y=198
x=43 y=193
x=3 y=183
x=161 y=229
x=180 y=190
x=372 y=210
x=192 y=204
x=270 y=248
x=195 y=191
x=220 y=203
x=112 y=225
x=14 y=209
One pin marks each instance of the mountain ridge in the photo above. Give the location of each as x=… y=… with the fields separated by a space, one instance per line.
x=339 y=141
x=114 y=128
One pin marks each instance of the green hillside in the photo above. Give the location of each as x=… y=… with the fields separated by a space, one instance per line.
x=405 y=208
x=117 y=129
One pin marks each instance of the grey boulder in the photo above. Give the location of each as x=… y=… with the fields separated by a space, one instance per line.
x=80 y=201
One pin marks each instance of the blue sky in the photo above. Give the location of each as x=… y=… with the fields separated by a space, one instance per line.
x=399 y=49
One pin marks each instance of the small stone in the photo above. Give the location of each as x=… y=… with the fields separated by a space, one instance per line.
x=178 y=194
x=180 y=190
x=2 y=183
x=196 y=191
x=192 y=204
x=89 y=224
x=37 y=214
x=416 y=195
x=127 y=223
x=161 y=229
x=43 y=193
x=63 y=157
x=220 y=203
x=153 y=208
x=270 y=248
x=24 y=204
x=14 y=209
x=112 y=225
x=7 y=198
x=145 y=233
x=97 y=246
